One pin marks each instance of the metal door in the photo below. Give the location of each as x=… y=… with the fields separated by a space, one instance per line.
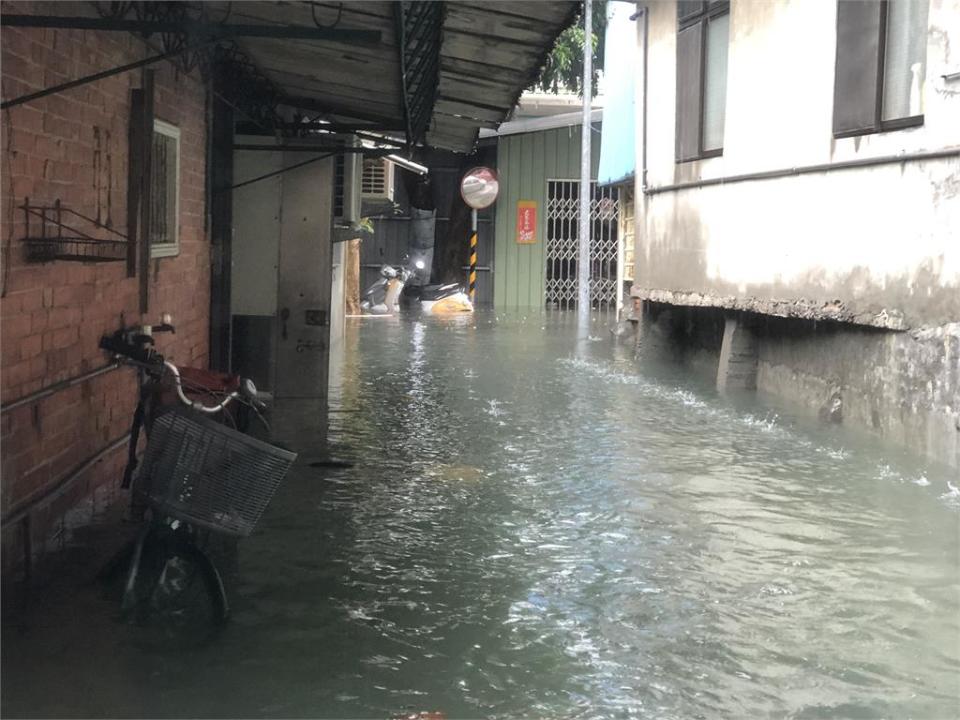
x=563 y=245
x=304 y=277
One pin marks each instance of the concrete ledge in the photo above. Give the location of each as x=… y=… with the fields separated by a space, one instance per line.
x=801 y=308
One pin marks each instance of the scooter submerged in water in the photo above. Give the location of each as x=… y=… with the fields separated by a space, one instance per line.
x=383 y=297
x=439 y=299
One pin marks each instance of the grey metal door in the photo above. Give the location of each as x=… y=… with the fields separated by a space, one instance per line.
x=563 y=245
x=304 y=277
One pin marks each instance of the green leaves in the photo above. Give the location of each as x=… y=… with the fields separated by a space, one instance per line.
x=563 y=69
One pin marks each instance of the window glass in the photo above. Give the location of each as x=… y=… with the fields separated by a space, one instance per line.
x=164 y=174
x=688 y=9
x=715 y=82
x=905 y=56
x=689 y=44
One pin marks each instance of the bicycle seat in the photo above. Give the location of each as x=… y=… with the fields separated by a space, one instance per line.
x=199 y=381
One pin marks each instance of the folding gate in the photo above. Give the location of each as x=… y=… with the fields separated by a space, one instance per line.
x=563 y=245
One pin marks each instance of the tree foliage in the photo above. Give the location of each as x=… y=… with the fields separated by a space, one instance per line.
x=563 y=71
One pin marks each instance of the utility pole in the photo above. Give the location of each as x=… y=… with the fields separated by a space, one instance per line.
x=583 y=261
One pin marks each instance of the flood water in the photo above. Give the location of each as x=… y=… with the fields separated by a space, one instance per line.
x=539 y=526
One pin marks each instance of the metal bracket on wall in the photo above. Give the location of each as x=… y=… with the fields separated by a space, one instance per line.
x=45 y=241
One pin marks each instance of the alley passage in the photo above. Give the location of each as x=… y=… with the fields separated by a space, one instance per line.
x=540 y=527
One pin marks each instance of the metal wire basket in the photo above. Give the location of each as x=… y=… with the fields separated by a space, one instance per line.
x=206 y=474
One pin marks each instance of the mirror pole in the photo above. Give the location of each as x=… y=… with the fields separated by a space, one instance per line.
x=583 y=261
x=473 y=253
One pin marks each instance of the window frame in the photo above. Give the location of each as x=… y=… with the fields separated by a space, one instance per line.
x=879 y=124
x=169 y=249
x=709 y=11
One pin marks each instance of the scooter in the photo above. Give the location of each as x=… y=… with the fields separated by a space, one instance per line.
x=436 y=299
x=439 y=299
x=383 y=297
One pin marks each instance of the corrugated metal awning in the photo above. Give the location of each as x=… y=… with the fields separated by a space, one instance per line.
x=489 y=52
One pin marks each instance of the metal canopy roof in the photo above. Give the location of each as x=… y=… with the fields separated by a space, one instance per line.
x=489 y=52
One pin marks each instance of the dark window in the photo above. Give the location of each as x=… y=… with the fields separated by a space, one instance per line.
x=702 y=43
x=881 y=63
x=164 y=185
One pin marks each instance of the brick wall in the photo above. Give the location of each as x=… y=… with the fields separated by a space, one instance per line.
x=72 y=147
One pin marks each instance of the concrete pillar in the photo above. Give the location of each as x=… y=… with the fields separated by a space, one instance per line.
x=737 y=369
x=635 y=315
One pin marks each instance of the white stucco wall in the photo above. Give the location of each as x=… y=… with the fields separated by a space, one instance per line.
x=884 y=241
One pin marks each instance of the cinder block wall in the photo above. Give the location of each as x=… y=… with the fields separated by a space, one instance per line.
x=72 y=147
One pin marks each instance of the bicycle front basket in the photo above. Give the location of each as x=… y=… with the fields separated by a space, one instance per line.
x=207 y=474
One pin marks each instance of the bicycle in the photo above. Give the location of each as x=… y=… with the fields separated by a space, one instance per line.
x=198 y=477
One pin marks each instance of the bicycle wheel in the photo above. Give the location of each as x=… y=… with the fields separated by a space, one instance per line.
x=179 y=596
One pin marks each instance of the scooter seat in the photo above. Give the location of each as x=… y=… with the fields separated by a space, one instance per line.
x=435 y=292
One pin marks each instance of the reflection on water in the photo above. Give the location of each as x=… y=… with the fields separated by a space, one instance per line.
x=536 y=526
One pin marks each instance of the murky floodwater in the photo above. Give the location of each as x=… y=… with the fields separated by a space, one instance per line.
x=539 y=527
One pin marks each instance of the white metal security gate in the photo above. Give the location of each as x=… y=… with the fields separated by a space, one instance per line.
x=563 y=239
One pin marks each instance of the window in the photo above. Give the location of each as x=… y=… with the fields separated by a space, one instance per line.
x=164 y=190
x=702 y=41
x=881 y=62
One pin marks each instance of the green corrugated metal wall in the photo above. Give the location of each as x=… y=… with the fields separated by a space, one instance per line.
x=524 y=163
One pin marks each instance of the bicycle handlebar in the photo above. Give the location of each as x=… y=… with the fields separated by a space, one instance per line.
x=196 y=404
x=118 y=345
x=154 y=362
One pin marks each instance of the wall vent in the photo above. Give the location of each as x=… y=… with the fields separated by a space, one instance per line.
x=377 y=182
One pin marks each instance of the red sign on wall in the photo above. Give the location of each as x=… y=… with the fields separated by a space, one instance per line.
x=526 y=222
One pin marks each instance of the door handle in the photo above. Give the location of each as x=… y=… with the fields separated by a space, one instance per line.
x=284 y=316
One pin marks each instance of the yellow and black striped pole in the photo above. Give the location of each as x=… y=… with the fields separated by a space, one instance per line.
x=473 y=254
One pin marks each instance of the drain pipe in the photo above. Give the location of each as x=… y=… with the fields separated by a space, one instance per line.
x=644 y=13
x=583 y=261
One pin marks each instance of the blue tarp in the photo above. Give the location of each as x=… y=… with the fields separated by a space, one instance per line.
x=618 y=135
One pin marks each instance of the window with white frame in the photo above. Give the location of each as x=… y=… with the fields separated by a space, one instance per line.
x=165 y=190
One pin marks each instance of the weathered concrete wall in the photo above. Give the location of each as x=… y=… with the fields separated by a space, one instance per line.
x=72 y=146
x=902 y=386
x=877 y=245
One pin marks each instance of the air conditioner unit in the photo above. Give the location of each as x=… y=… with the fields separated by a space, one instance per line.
x=377 y=181
x=346 y=187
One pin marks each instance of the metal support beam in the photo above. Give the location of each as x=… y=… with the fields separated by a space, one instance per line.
x=98 y=76
x=146 y=196
x=341 y=127
x=418 y=28
x=134 y=178
x=221 y=233
x=332 y=149
x=320 y=105
x=194 y=28
x=251 y=181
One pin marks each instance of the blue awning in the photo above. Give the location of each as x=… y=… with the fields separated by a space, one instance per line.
x=618 y=135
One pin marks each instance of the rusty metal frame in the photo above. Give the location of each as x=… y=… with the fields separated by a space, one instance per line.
x=419 y=27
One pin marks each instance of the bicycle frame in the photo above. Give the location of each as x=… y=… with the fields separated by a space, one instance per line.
x=155 y=376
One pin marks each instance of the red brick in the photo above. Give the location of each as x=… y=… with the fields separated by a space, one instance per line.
x=61 y=317
x=31 y=347
x=15 y=328
x=16 y=375
x=66 y=306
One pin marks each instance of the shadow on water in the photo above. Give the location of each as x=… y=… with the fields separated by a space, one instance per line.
x=533 y=527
